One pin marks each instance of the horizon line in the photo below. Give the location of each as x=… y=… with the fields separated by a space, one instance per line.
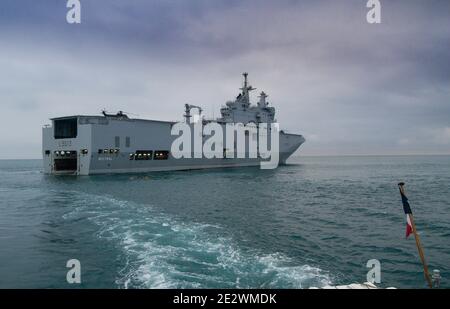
x=309 y=155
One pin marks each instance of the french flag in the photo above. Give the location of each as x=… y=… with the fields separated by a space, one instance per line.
x=409 y=228
x=408 y=212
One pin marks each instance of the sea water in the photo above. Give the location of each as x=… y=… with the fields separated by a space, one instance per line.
x=314 y=222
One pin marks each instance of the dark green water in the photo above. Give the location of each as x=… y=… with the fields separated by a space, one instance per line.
x=314 y=222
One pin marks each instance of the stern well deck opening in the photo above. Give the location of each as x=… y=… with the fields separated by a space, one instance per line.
x=66 y=165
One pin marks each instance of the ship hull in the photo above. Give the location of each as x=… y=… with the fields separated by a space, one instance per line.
x=108 y=146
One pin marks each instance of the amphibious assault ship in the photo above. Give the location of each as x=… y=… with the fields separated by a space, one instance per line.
x=116 y=143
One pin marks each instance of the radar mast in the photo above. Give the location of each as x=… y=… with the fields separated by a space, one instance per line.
x=246 y=90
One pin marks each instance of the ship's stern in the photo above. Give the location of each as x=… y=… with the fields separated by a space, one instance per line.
x=66 y=147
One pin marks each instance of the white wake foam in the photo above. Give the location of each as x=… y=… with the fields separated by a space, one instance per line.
x=162 y=252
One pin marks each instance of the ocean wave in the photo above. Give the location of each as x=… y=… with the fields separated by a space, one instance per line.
x=163 y=252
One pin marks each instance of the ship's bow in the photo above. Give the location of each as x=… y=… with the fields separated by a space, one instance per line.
x=289 y=143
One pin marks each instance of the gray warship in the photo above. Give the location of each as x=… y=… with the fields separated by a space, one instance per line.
x=116 y=143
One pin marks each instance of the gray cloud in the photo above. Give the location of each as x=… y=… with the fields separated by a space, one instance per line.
x=350 y=87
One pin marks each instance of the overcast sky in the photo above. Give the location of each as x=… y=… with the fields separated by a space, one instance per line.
x=348 y=86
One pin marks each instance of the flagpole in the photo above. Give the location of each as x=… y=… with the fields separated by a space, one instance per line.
x=417 y=238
